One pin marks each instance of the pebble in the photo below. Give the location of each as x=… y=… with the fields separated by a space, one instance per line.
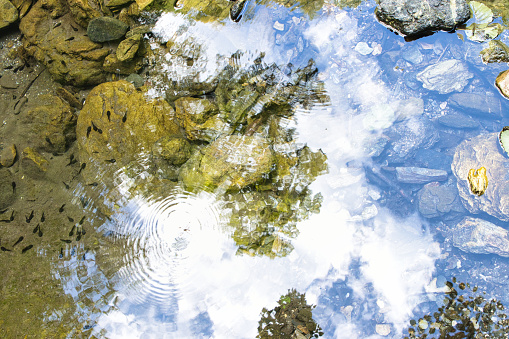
x=8 y=156
x=8 y=81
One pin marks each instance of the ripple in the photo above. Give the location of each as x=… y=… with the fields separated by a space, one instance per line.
x=158 y=233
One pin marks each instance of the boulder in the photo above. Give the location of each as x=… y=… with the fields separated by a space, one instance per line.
x=415 y=18
x=230 y=162
x=117 y=125
x=168 y=154
x=105 y=28
x=64 y=49
x=52 y=124
x=445 y=77
x=483 y=151
x=8 y=13
x=7 y=193
x=113 y=65
x=136 y=79
x=475 y=235
x=436 y=200
x=84 y=10
x=483 y=105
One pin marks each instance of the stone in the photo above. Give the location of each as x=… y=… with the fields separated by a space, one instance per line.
x=436 y=200
x=83 y=11
x=126 y=126
x=33 y=163
x=113 y=65
x=415 y=18
x=51 y=124
x=77 y=61
x=199 y=119
x=56 y=8
x=229 y=163
x=117 y=3
x=8 y=156
x=143 y=3
x=135 y=79
x=496 y=51
x=9 y=81
x=431 y=158
x=458 y=121
x=475 y=235
x=127 y=48
x=105 y=28
x=419 y=175
x=8 y=14
x=484 y=105
x=23 y=6
x=502 y=83
x=169 y=153
x=7 y=194
x=445 y=77
x=483 y=151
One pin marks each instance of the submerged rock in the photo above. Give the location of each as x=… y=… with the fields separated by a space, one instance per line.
x=497 y=51
x=168 y=154
x=475 y=235
x=8 y=13
x=230 y=162
x=445 y=77
x=483 y=151
x=7 y=193
x=458 y=121
x=502 y=83
x=436 y=200
x=127 y=48
x=8 y=156
x=416 y=18
x=484 y=105
x=418 y=175
x=105 y=28
x=33 y=163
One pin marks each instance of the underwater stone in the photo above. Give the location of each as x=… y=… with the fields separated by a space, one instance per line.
x=418 y=175
x=436 y=200
x=445 y=77
x=458 y=121
x=9 y=81
x=104 y=29
x=127 y=48
x=497 y=51
x=136 y=79
x=475 y=235
x=8 y=156
x=414 y=18
x=33 y=163
x=474 y=153
x=502 y=83
x=484 y=105
x=7 y=194
x=8 y=13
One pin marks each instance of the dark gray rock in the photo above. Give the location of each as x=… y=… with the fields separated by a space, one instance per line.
x=419 y=175
x=475 y=235
x=416 y=18
x=431 y=158
x=445 y=77
x=458 y=121
x=484 y=105
x=136 y=79
x=436 y=200
x=7 y=193
x=104 y=29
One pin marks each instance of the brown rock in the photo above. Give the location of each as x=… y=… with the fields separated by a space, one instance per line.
x=8 y=156
x=8 y=13
x=23 y=6
x=33 y=163
x=127 y=48
x=502 y=83
x=113 y=65
x=84 y=10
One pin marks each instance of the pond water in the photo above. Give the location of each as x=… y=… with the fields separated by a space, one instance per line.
x=173 y=259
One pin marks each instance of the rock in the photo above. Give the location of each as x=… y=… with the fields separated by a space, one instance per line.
x=23 y=6
x=143 y=3
x=135 y=79
x=8 y=156
x=413 y=55
x=414 y=18
x=9 y=81
x=126 y=126
x=8 y=13
x=458 y=121
x=56 y=8
x=497 y=51
x=117 y=3
x=83 y=11
x=418 y=175
x=475 y=235
x=436 y=200
x=127 y=48
x=477 y=152
x=7 y=194
x=445 y=77
x=77 y=61
x=113 y=65
x=502 y=83
x=484 y=105
x=169 y=153
x=33 y=163
x=104 y=29
x=431 y=158
x=52 y=124
x=143 y=29
x=230 y=162
x=199 y=119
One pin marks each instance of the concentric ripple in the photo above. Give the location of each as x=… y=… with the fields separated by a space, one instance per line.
x=159 y=233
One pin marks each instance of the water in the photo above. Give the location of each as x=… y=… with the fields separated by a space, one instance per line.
x=162 y=260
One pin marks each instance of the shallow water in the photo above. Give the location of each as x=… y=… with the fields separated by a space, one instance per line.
x=160 y=261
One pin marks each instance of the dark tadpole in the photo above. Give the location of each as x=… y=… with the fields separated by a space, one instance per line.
x=89 y=129
x=27 y=248
x=13 y=187
x=67 y=241
x=61 y=209
x=66 y=185
x=70 y=219
x=124 y=118
x=61 y=255
x=42 y=217
x=94 y=184
x=40 y=232
x=71 y=233
x=5 y=249
x=108 y=113
x=20 y=239
x=36 y=228
x=111 y=161
x=82 y=167
x=82 y=220
x=49 y=141
x=30 y=217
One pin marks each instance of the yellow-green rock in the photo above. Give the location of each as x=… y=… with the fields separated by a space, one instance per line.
x=33 y=163
x=113 y=65
x=83 y=11
x=23 y=6
x=127 y=48
x=8 y=13
x=8 y=156
x=502 y=83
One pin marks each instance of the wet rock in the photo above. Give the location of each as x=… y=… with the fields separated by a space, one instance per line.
x=9 y=81
x=418 y=175
x=431 y=158
x=52 y=124
x=502 y=83
x=230 y=162
x=113 y=65
x=56 y=8
x=104 y=29
x=135 y=79
x=415 y=18
x=7 y=194
x=477 y=152
x=83 y=11
x=127 y=48
x=436 y=200
x=445 y=77
x=23 y=6
x=497 y=51
x=458 y=121
x=169 y=153
x=117 y=3
x=484 y=105
x=413 y=55
x=199 y=119
x=8 y=156
x=8 y=13
x=117 y=122
x=34 y=164
x=69 y=97
x=143 y=29
x=475 y=235
x=67 y=54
